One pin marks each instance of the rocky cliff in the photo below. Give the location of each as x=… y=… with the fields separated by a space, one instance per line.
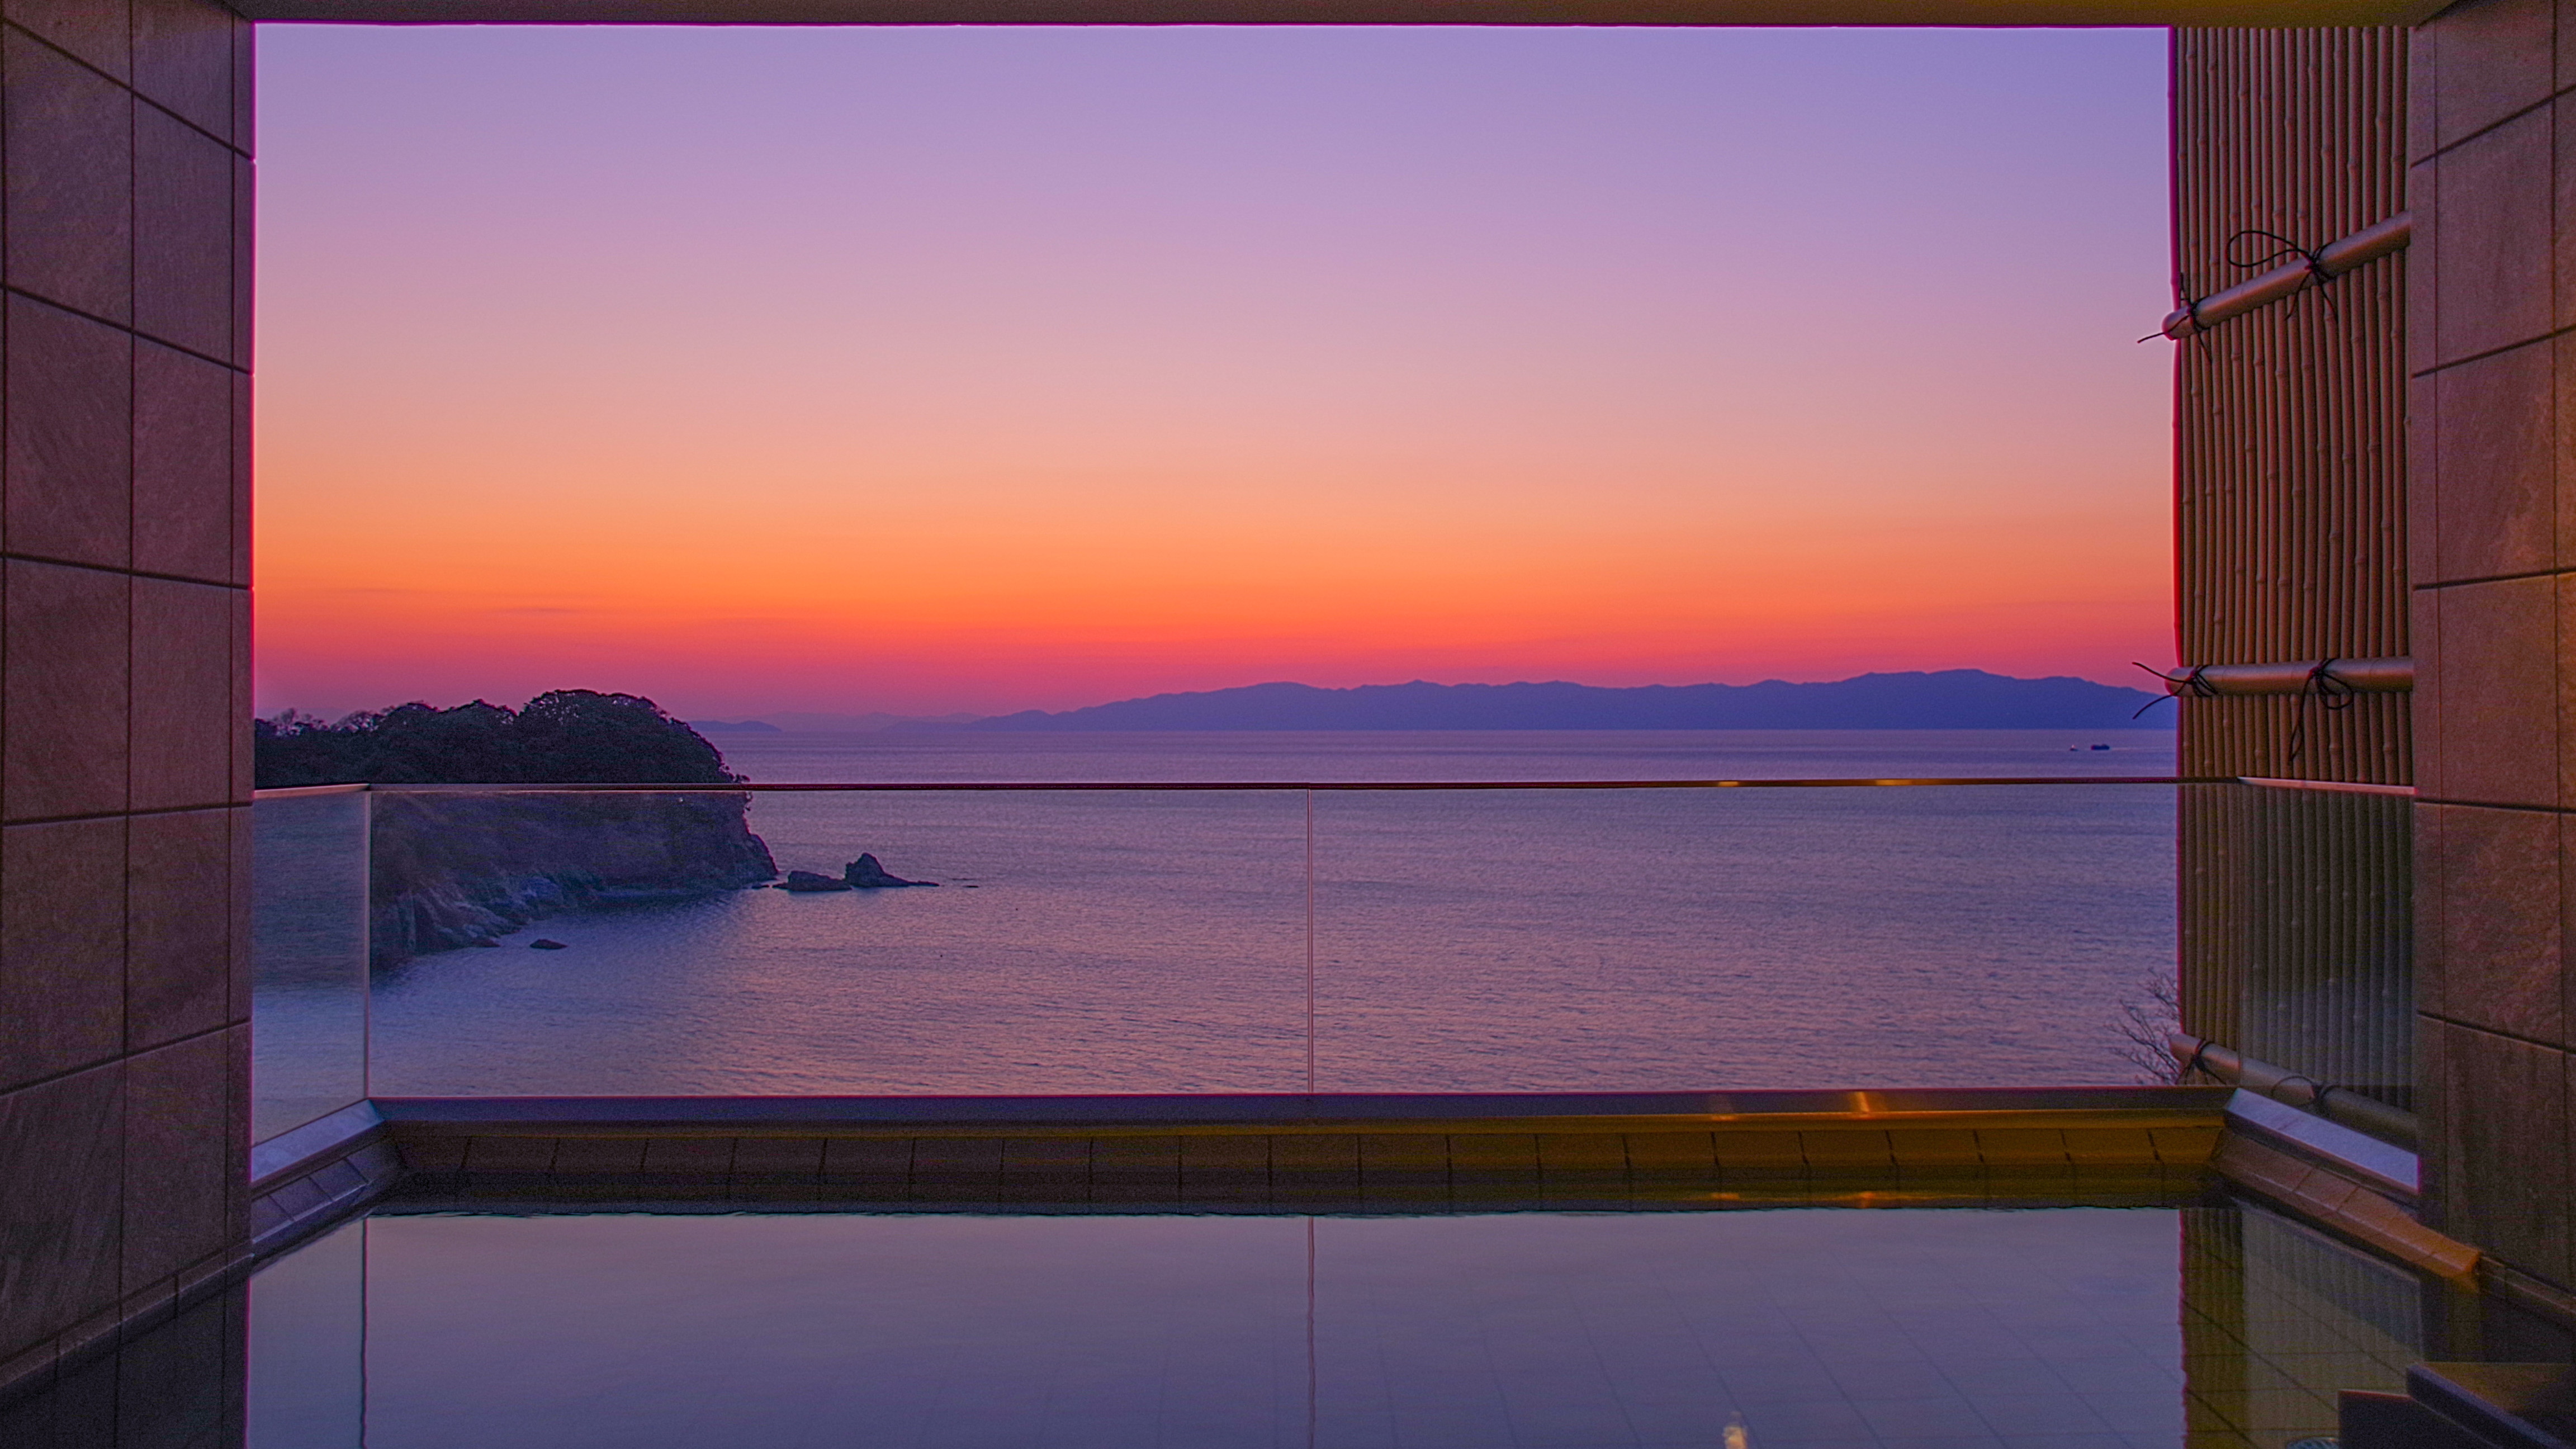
x=456 y=869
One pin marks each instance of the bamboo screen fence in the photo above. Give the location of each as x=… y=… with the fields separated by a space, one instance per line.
x=2290 y=544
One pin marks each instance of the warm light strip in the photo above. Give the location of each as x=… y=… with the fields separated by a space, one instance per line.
x=1346 y=785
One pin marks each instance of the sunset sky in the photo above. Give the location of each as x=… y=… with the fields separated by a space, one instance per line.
x=927 y=370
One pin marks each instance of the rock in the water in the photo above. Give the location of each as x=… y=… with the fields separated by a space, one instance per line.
x=866 y=871
x=543 y=944
x=806 y=880
x=486 y=942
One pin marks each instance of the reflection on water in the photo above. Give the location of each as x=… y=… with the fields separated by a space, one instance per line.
x=2277 y=1320
x=1463 y=941
x=2206 y=1327
x=1805 y=1327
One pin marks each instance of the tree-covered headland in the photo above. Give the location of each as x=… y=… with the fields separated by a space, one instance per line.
x=452 y=869
x=561 y=737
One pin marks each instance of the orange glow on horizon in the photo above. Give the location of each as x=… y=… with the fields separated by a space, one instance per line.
x=1471 y=398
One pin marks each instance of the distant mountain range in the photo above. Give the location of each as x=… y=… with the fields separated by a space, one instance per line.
x=1949 y=699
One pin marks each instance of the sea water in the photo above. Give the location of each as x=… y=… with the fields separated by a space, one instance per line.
x=1416 y=940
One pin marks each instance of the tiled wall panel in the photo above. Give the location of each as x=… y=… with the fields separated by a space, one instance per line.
x=2493 y=181
x=124 y=654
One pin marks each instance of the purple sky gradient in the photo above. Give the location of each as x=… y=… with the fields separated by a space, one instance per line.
x=930 y=369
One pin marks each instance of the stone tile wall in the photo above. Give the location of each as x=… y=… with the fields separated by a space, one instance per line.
x=2492 y=357
x=125 y=179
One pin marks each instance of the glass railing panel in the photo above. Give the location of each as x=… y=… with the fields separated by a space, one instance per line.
x=1107 y=939
x=1681 y=939
x=308 y=955
x=2298 y=930
x=1090 y=940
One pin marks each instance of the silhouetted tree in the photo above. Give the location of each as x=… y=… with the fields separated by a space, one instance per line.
x=562 y=737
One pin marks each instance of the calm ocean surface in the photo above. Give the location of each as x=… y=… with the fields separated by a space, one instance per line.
x=1485 y=940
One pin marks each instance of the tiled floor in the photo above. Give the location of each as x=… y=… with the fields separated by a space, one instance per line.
x=1926 y=1329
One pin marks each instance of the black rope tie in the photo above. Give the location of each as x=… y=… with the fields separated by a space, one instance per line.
x=2316 y=1093
x=2194 y=1064
x=2189 y=306
x=2191 y=300
x=2191 y=683
x=2321 y=685
x=2283 y=249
